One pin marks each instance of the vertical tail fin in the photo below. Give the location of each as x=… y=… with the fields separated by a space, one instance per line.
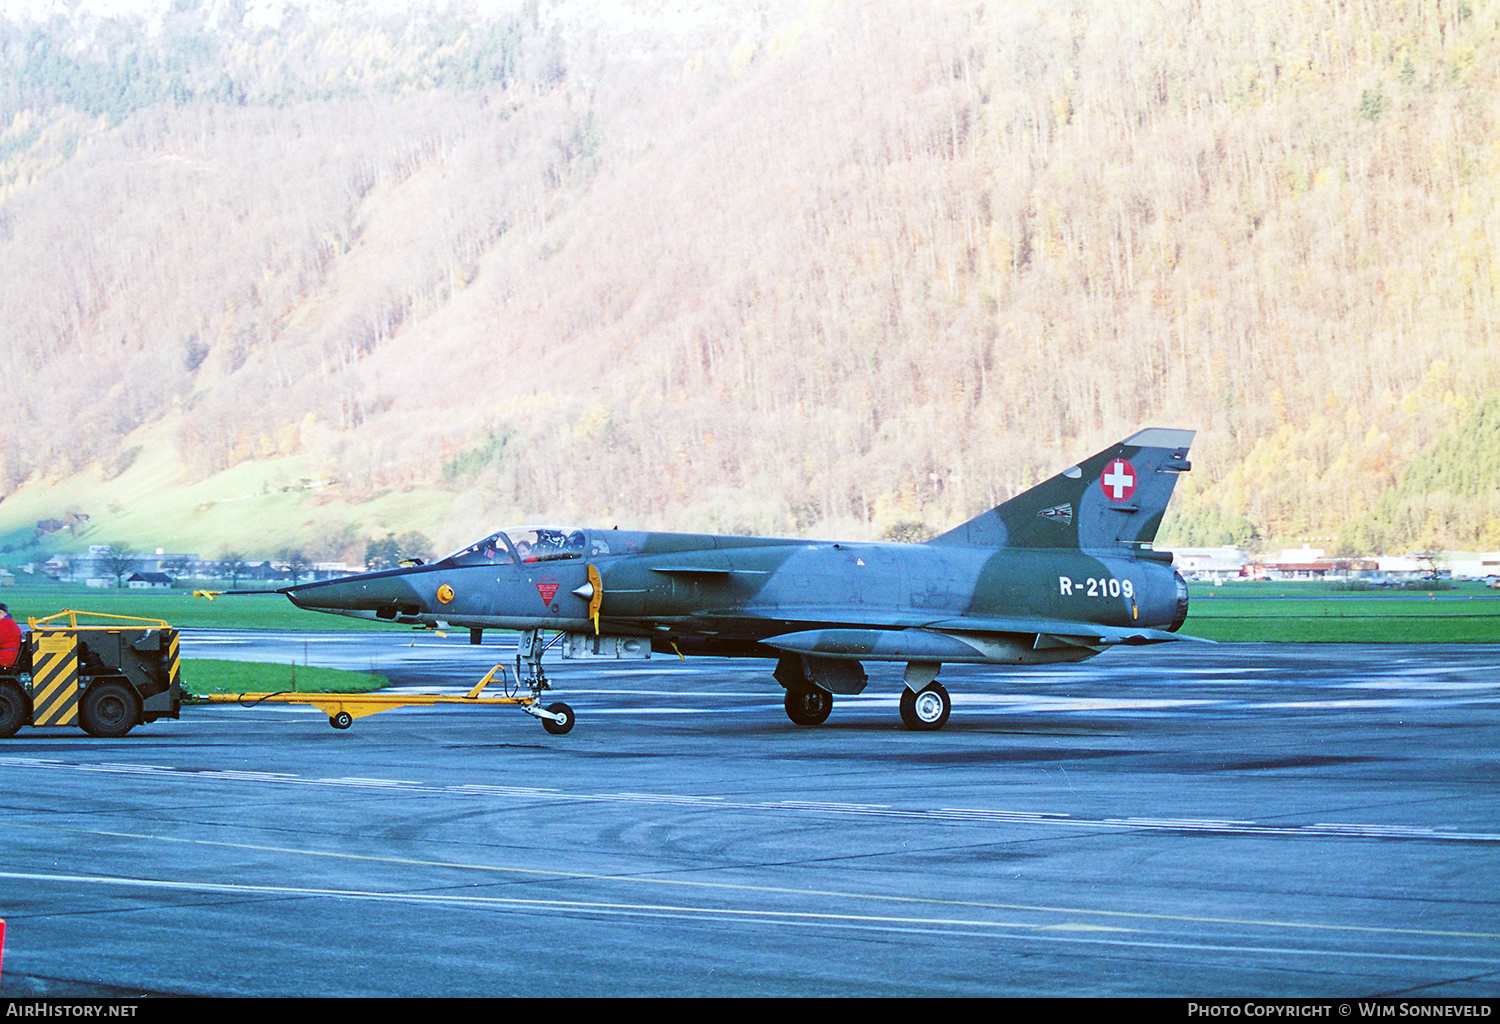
x=1115 y=497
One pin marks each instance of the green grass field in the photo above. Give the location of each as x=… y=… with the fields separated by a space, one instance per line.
x=209 y=675
x=1251 y=612
x=179 y=608
x=1318 y=613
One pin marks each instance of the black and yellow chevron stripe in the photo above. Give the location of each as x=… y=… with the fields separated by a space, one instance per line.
x=174 y=666
x=54 y=679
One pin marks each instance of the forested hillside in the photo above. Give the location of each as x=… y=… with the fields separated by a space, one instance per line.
x=861 y=268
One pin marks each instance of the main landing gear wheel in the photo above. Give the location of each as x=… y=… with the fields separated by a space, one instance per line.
x=109 y=710
x=342 y=720
x=808 y=707
x=553 y=725
x=925 y=711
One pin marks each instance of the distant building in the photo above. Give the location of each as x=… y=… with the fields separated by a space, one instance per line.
x=1460 y=564
x=1480 y=566
x=332 y=570
x=1232 y=563
x=1225 y=563
x=89 y=569
x=92 y=567
x=149 y=581
x=1309 y=563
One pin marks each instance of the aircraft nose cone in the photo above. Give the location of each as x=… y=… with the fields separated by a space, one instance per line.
x=370 y=592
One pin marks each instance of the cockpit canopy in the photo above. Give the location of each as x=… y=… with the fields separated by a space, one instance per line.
x=524 y=544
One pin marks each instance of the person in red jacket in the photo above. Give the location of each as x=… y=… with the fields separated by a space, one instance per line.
x=10 y=639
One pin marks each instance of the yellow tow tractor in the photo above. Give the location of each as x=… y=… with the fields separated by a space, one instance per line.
x=107 y=674
x=105 y=677
x=343 y=708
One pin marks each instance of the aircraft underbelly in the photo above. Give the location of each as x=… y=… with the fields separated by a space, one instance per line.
x=925 y=645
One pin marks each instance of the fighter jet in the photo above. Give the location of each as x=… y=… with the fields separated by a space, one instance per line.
x=1058 y=573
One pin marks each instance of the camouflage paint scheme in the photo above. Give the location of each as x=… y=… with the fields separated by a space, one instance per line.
x=1058 y=573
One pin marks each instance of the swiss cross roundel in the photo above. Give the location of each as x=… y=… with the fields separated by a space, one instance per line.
x=1118 y=480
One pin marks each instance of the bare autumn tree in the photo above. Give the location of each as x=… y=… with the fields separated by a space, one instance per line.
x=294 y=562
x=233 y=565
x=120 y=561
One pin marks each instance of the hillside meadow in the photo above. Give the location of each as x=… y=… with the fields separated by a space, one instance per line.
x=845 y=269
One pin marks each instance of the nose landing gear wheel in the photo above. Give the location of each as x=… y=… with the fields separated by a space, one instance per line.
x=925 y=711
x=342 y=720
x=555 y=727
x=808 y=707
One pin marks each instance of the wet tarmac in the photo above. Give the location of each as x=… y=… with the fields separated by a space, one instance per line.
x=1182 y=821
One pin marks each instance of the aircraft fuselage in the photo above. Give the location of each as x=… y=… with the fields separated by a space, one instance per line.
x=726 y=592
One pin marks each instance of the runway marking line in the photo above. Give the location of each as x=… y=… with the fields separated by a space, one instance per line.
x=780 y=918
x=779 y=890
x=535 y=901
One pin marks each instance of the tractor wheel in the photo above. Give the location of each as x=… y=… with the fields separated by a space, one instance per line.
x=109 y=709
x=15 y=707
